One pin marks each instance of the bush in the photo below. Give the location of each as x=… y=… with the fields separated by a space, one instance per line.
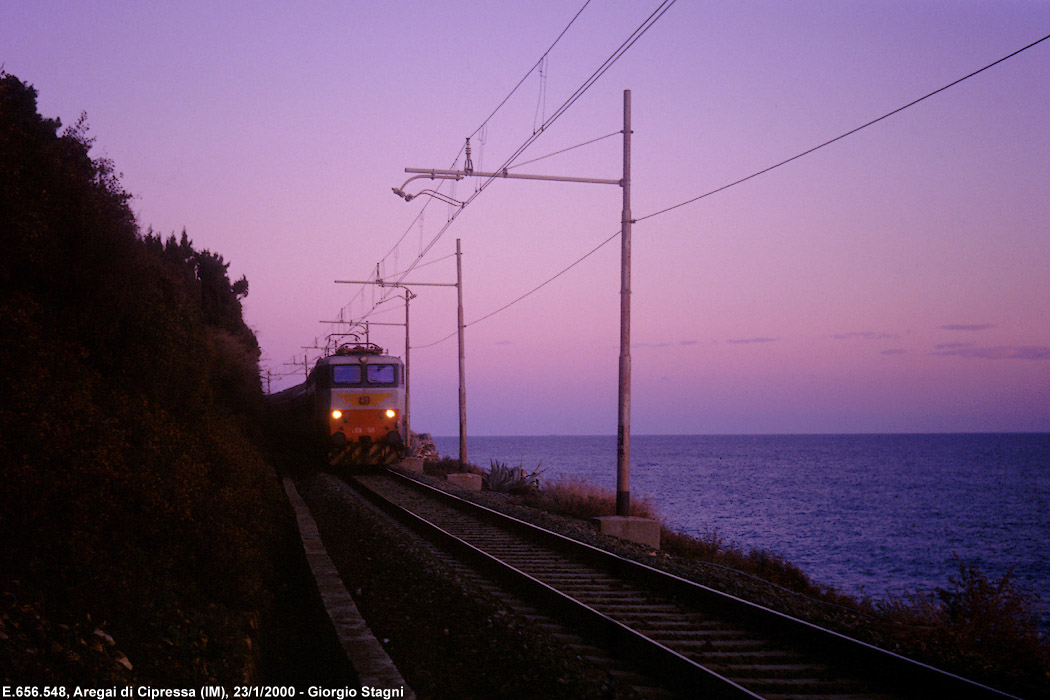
x=976 y=623
x=504 y=479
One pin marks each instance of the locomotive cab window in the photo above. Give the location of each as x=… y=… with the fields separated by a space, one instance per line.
x=364 y=375
x=344 y=375
x=382 y=374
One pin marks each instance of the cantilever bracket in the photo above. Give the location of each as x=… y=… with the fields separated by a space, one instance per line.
x=433 y=175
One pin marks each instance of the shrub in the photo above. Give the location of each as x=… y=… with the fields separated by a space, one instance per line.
x=976 y=623
x=504 y=479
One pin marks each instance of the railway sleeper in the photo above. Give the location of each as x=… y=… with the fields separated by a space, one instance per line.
x=538 y=566
x=695 y=635
x=676 y=619
x=583 y=582
x=700 y=648
x=699 y=638
x=642 y=607
x=586 y=585
x=605 y=598
x=670 y=625
x=803 y=670
x=817 y=687
x=760 y=658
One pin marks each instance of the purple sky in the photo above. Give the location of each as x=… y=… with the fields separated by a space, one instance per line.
x=896 y=281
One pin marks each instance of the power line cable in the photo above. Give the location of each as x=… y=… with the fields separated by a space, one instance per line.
x=741 y=181
x=504 y=101
x=633 y=38
x=637 y=34
x=611 y=60
x=566 y=150
x=841 y=136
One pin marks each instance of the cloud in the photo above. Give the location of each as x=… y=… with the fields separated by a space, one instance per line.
x=866 y=335
x=1005 y=352
x=663 y=345
x=894 y=351
x=748 y=341
x=967 y=327
x=952 y=346
x=504 y=342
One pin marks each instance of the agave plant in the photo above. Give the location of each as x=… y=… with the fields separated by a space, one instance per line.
x=505 y=479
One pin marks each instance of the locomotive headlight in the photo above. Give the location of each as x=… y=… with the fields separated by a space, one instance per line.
x=337 y=414
x=390 y=413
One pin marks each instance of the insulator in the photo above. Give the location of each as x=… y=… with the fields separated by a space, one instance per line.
x=468 y=165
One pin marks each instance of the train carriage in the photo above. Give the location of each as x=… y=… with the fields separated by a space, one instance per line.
x=353 y=402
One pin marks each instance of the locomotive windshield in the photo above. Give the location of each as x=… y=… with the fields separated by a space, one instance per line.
x=381 y=374
x=374 y=375
x=346 y=374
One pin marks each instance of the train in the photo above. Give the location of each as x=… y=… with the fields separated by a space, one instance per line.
x=351 y=407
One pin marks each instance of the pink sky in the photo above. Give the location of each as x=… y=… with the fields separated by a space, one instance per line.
x=896 y=281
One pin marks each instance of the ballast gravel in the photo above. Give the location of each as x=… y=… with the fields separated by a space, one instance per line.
x=449 y=638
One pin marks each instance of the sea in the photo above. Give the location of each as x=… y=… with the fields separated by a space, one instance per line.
x=869 y=515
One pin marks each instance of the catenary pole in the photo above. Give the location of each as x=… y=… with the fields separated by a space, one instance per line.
x=462 y=360
x=408 y=393
x=623 y=429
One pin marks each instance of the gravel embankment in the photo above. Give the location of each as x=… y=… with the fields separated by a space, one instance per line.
x=460 y=642
x=449 y=638
x=712 y=575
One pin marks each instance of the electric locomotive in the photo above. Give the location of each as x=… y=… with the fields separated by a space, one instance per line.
x=352 y=403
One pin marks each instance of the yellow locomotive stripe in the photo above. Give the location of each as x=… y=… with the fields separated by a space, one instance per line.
x=364 y=400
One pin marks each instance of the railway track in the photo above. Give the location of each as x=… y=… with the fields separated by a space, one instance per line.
x=697 y=641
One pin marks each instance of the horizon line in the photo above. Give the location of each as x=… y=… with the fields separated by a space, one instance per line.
x=813 y=434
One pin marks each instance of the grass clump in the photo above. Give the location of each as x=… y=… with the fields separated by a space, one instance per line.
x=768 y=566
x=579 y=499
x=447 y=465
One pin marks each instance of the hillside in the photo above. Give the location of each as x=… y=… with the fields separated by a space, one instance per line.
x=141 y=527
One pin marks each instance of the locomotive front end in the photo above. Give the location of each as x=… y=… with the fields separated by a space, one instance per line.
x=365 y=406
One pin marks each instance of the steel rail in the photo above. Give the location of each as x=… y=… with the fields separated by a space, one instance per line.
x=867 y=660
x=673 y=669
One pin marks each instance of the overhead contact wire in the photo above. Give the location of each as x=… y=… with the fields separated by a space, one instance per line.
x=532 y=69
x=571 y=100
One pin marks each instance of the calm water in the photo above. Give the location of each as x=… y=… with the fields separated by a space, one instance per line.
x=867 y=514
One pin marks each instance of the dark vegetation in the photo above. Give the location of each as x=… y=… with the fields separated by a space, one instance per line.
x=143 y=533
x=444 y=466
